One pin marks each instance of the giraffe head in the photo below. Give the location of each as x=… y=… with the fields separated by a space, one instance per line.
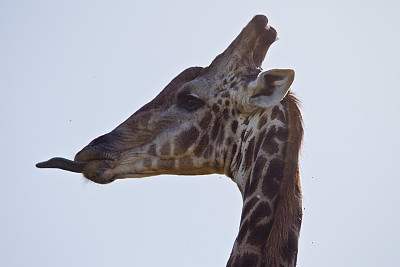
x=193 y=124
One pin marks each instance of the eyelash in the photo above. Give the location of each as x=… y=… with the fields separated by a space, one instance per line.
x=190 y=102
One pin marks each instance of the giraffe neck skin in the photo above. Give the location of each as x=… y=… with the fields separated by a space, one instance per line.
x=258 y=168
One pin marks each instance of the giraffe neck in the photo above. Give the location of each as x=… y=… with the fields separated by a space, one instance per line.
x=266 y=171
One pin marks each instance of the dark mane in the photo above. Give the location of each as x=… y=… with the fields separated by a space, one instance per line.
x=281 y=242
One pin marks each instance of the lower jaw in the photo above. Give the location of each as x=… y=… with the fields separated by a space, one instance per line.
x=97 y=172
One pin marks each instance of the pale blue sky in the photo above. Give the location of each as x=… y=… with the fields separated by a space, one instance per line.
x=73 y=70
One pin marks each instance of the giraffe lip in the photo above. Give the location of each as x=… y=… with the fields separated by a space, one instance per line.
x=98 y=161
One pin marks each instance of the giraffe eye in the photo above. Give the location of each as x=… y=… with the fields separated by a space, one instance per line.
x=190 y=102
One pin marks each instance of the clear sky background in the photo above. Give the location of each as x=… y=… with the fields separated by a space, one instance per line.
x=73 y=70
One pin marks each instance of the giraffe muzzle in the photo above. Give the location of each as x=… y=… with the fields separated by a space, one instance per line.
x=95 y=161
x=93 y=170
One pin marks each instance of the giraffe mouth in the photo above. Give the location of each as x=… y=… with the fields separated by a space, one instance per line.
x=93 y=166
x=92 y=170
x=98 y=165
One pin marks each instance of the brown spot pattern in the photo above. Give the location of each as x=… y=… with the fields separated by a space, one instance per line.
x=242 y=134
x=263 y=120
x=270 y=145
x=244 y=228
x=215 y=108
x=205 y=122
x=271 y=181
x=260 y=138
x=262 y=211
x=185 y=163
x=215 y=129
x=225 y=114
x=277 y=113
x=201 y=146
x=221 y=133
x=248 y=206
x=229 y=141
x=185 y=139
x=165 y=149
x=226 y=94
x=282 y=134
x=208 y=151
x=166 y=164
x=248 y=158
x=259 y=234
x=233 y=152
x=147 y=163
x=257 y=174
x=234 y=126
x=152 y=150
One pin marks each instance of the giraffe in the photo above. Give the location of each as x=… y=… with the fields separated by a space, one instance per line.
x=229 y=118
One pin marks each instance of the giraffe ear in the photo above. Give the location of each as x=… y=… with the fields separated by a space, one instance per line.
x=269 y=88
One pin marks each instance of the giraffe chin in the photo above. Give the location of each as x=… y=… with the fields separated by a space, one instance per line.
x=106 y=171
x=98 y=171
